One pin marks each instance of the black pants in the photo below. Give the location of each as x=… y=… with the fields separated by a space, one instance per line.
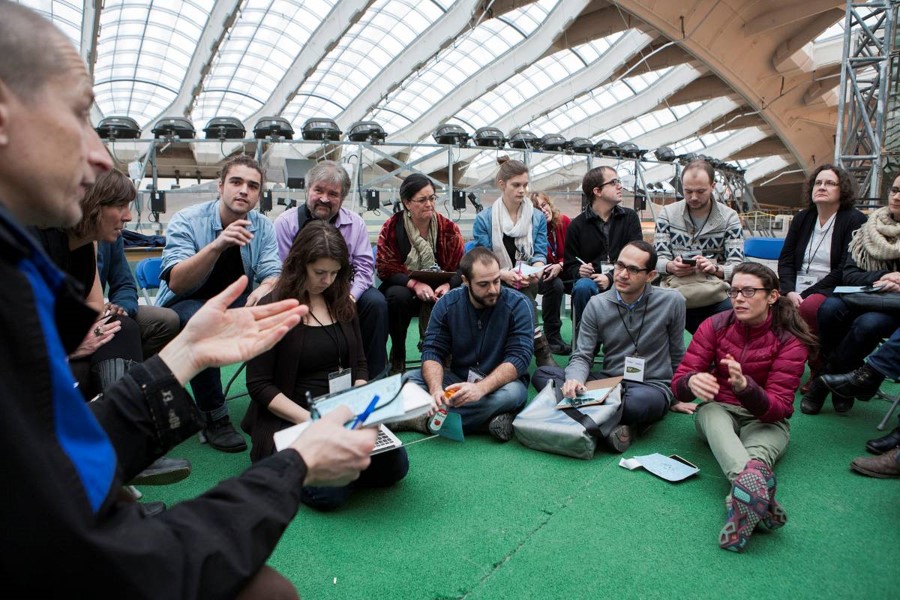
x=402 y=306
x=552 y=293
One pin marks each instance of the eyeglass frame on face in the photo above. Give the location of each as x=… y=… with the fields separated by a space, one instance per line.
x=616 y=182
x=893 y=191
x=733 y=293
x=825 y=183
x=630 y=269
x=423 y=199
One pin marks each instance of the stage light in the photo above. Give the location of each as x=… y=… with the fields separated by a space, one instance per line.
x=225 y=128
x=451 y=134
x=665 y=154
x=321 y=129
x=277 y=128
x=580 y=145
x=118 y=128
x=174 y=128
x=366 y=131
x=489 y=137
x=553 y=141
x=523 y=140
x=607 y=148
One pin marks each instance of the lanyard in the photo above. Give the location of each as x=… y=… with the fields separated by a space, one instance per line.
x=336 y=338
x=634 y=340
x=697 y=230
x=812 y=257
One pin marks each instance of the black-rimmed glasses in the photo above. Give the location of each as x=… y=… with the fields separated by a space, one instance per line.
x=747 y=292
x=616 y=182
x=632 y=270
x=423 y=199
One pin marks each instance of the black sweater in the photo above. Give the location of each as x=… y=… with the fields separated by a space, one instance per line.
x=793 y=253
x=585 y=240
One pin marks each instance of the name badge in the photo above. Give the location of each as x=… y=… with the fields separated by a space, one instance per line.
x=474 y=376
x=804 y=282
x=634 y=368
x=338 y=381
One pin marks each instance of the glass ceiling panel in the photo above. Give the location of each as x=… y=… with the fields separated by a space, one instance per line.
x=381 y=35
x=473 y=51
x=64 y=14
x=256 y=55
x=151 y=44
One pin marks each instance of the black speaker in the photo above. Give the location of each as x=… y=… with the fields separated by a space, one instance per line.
x=295 y=170
x=373 y=199
x=265 y=202
x=459 y=200
x=157 y=201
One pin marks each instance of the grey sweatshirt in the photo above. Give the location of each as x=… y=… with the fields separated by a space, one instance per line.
x=660 y=342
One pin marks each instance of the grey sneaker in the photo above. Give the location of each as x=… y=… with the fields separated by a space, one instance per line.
x=501 y=427
x=619 y=439
x=221 y=435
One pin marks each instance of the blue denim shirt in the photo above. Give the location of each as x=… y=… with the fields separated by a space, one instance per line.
x=195 y=227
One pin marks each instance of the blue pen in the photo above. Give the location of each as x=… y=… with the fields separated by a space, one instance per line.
x=361 y=418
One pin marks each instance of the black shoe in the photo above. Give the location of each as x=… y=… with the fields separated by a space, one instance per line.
x=841 y=404
x=560 y=347
x=151 y=509
x=619 y=439
x=813 y=400
x=885 y=443
x=501 y=427
x=163 y=471
x=221 y=435
x=862 y=383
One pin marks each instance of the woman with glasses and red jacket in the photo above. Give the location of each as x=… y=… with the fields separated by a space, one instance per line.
x=744 y=365
x=418 y=238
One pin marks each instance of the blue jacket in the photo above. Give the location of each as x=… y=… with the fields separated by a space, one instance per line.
x=195 y=227
x=481 y=231
x=481 y=339
x=114 y=270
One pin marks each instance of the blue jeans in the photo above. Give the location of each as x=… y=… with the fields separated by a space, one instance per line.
x=582 y=291
x=642 y=403
x=848 y=336
x=385 y=470
x=475 y=415
x=886 y=360
x=207 y=384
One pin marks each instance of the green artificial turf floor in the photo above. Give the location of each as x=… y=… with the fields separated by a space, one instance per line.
x=485 y=520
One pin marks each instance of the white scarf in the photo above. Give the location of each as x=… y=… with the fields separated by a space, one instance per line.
x=520 y=231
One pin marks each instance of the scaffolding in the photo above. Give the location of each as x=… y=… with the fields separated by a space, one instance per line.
x=868 y=137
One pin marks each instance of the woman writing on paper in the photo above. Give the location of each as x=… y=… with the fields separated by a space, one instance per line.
x=323 y=354
x=417 y=238
x=745 y=367
x=517 y=234
x=848 y=331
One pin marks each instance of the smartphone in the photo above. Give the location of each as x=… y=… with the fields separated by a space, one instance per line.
x=689 y=261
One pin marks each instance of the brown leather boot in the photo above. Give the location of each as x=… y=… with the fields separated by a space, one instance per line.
x=542 y=355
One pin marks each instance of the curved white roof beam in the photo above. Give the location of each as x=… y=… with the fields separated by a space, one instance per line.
x=343 y=16
x=512 y=61
x=432 y=40
x=220 y=19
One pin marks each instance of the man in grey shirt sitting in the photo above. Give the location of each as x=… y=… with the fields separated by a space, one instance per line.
x=641 y=330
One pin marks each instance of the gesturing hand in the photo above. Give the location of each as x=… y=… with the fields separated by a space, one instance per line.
x=735 y=373
x=704 y=386
x=236 y=234
x=217 y=335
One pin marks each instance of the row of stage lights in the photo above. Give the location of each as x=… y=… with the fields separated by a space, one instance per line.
x=323 y=130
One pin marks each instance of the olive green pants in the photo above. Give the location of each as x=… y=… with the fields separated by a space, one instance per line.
x=735 y=436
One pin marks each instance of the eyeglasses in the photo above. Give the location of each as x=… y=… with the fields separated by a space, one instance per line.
x=895 y=190
x=747 y=292
x=825 y=183
x=423 y=199
x=615 y=182
x=632 y=270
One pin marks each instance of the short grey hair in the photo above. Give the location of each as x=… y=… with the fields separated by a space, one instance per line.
x=328 y=171
x=28 y=59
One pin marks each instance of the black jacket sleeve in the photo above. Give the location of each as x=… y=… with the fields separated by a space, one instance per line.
x=787 y=260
